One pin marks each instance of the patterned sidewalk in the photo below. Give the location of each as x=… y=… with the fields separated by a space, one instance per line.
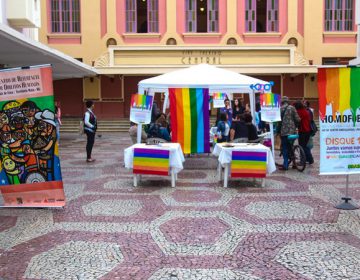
x=198 y=230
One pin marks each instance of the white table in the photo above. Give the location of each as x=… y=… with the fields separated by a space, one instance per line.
x=224 y=155
x=176 y=158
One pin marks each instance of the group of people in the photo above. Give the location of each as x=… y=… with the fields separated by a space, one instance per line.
x=295 y=119
x=159 y=126
x=235 y=122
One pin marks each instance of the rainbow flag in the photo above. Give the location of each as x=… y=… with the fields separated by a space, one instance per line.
x=248 y=164
x=219 y=95
x=189 y=108
x=269 y=100
x=151 y=161
x=141 y=101
x=339 y=87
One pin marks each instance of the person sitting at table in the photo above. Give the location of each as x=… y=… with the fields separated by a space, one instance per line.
x=238 y=129
x=159 y=129
x=223 y=128
x=251 y=128
x=133 y=133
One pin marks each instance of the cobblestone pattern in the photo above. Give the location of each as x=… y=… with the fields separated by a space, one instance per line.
x=75 y=260
x=198 y=230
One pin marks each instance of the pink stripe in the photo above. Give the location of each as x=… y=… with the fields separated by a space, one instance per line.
x=103 y=16
x=300 y=19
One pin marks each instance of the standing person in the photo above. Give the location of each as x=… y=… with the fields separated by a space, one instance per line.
x=223 y=128
x=289 y=121
x=238 y=109
x=90 y=126
x=57 y=120
x=304 y=130
x=227 y=110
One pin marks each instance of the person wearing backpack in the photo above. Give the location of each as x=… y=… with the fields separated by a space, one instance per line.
x=90 y=126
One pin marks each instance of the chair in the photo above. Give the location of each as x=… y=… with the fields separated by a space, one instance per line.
x=155 y=140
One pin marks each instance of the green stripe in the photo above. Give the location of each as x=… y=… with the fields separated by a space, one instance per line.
x=355 y=91
x=194 y=119
x=157 y=160
x=248 y=162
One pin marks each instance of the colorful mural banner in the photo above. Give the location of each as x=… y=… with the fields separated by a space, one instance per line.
x=218 y=99
x=140 y=108
x=339 y=117
x=248 y=164
x=151 y=161
x=270 y=107
x=189 y=109
x=30 y=174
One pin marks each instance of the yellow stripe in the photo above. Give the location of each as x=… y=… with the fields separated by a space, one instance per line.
x=344 y=96
x=187 y=120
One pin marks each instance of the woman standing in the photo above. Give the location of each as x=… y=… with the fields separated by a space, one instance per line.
x=304 y=130
x=90 y=126
x=238 y=109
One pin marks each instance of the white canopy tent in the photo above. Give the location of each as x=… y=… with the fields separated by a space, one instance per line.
x=202 y=76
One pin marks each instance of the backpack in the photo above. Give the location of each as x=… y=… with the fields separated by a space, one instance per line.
x=314 y=128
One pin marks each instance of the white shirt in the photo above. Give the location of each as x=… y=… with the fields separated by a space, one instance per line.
x=87 y=118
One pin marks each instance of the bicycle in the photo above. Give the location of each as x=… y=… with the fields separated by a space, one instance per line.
x=296 y=155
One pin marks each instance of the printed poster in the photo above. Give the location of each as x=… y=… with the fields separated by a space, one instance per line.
x=339 y=103
x=140 y=108
x=270 y=107
x=218 y=100
x=30 y=174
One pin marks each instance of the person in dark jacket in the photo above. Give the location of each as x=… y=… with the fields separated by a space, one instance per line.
x=90 y=126
x=304 y=129
x=252 y=130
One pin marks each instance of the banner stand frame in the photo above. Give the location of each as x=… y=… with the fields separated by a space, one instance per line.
x=347 y=205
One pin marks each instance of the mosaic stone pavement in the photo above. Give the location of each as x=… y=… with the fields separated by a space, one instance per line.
x=109 y=230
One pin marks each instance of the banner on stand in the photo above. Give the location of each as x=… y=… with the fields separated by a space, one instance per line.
x=218 y=99
x=140 y=108
x=339 y=103
x=270 y=107
x=30 y=174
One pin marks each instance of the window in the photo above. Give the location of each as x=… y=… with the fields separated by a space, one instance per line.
x=65 y=16
x=142 y=16
x=336 y=60
x=262 y=15
x=339 y=15
x=202 y=16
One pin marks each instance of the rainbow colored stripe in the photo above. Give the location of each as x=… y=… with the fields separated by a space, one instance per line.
x=189 y=108
x=141 y=101
x=151 y=161
x=219 y=96
x=339 y=87
x=248 y=164
x=269 y=100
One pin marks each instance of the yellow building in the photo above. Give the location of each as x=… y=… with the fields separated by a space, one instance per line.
x=129 y=40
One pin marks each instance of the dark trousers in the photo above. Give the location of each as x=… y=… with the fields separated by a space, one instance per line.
x=90 y=143
x=304 y=138
x=285 y=150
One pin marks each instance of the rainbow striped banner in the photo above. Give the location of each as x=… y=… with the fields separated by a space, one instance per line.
x=189 y=108
x=140 y=108
x=269 y=100
x=248 y=164
x=141 y=101
x=339 y=87
x=151 y=161
x=218 y=99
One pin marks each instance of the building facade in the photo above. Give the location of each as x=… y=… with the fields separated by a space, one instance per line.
x=129 y=40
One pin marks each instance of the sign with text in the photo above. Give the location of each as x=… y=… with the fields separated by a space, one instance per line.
x=339 y=104
x=218 y=100
x=140 y=108
x=30 y=174
x=270 y=107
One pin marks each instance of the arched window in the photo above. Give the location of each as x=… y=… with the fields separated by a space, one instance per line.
x=339 y=15
x=262 y=15
x=202 y=16
x=142 y=16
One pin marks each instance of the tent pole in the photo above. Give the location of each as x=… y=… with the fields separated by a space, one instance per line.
x=166 y=100
x=252 y=106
